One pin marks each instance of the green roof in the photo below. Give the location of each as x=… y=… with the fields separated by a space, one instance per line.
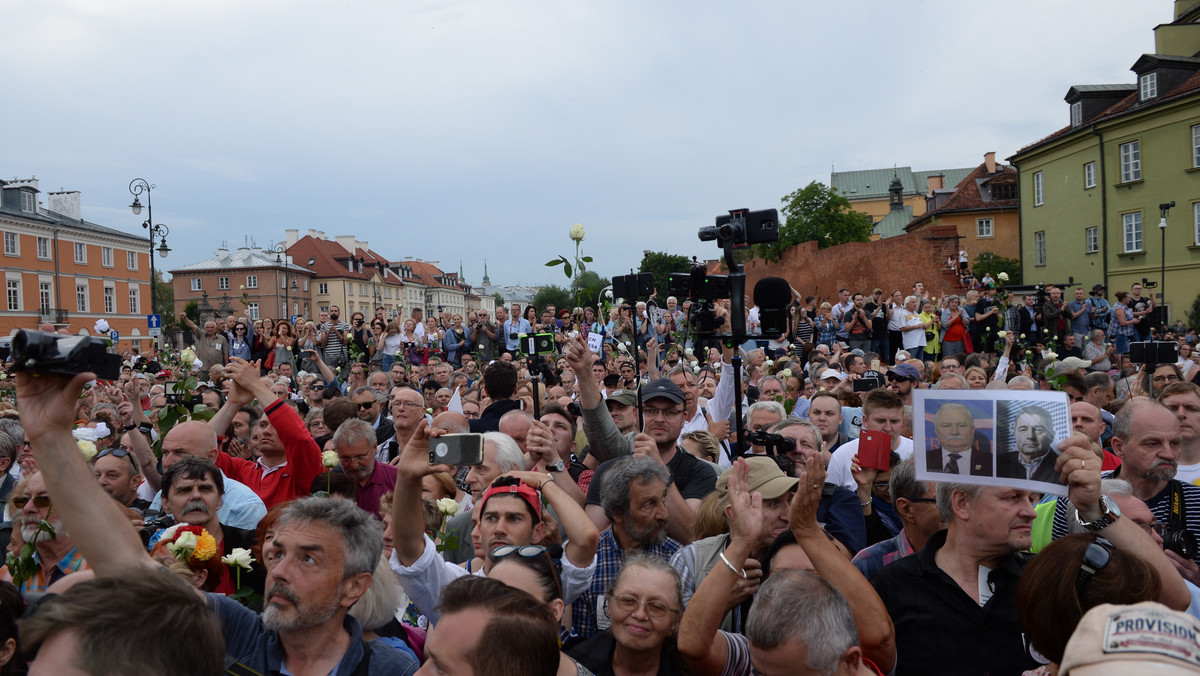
x=873 y=183
x=893 y=224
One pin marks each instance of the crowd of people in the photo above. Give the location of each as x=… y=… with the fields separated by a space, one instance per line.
x=268 y=500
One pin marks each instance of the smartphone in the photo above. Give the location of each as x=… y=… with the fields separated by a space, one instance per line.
x=874 y=450
x=456 y=449
x=874 y=364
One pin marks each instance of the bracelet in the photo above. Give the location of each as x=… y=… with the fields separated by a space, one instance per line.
x=742 y=573
x=865 y=504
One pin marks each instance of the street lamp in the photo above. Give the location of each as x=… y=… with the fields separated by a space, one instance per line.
x=1162 y=275
x=136 y=187
x=280 y=251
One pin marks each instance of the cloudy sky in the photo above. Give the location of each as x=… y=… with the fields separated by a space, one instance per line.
x=470 y=130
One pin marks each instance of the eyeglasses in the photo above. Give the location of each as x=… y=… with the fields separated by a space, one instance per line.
x=406 y=404
x=364 y=405
x=651 y=412
x=39 y=501
x=317 y=386
x=1152 y=526
x=1097 y=555
x=1171 y=378
x=629 y=604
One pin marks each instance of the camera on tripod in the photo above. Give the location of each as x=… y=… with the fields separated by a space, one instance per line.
x=41 y=352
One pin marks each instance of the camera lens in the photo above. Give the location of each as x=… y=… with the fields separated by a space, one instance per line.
x=1180 y=541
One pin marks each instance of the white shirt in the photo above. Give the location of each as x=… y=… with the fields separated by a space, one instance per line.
x=964 y=461
x=839 y=465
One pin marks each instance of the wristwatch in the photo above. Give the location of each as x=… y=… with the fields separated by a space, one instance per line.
x=559 y=466
x=1110 y=513
x=145 y=428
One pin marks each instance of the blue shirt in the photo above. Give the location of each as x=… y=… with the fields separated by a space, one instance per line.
x=1082 y=323
x=609 y=559
x=240 y=506
x=259 y=648
x=521 y=327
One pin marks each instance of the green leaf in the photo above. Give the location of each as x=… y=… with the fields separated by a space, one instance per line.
x=567 y=269
x=582 y=269
x=586 y=259
x=560 y=261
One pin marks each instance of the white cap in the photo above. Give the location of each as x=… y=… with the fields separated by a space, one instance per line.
x=831 y=373
x=1145 y=638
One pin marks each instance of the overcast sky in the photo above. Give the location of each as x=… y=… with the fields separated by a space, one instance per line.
x=468 y=130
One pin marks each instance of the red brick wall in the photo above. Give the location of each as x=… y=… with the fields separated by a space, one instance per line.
x=892 y=263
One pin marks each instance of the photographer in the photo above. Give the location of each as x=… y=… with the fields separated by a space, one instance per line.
x=514 y=328
x=857 y=322
x=484 y=332
x=360 y=336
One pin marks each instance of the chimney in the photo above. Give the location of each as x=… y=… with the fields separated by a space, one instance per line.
x=989 y=158
x=66 y=203
x=291 y=235
x=312 y=233
x=346 y=242
x=222 y=253
x=937 y=182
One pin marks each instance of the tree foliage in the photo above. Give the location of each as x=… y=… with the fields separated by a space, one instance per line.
x=552 y=294
x=661 y=265
x=817 y=213
x=1193 y=315
x=587 y=287
x=989 y=263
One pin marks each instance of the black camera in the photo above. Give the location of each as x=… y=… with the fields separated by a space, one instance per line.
x=744 y=227
x=512 y=336
x=536 y=343
x=575 y=409
x=776 y=444
x=868 y=381
x=1154 y=352
x=1179 y=540
x=64 y=355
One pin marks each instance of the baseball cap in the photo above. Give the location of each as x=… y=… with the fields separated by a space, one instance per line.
x=1075 y=363
x=831 y=373
x=1098 y=287
x=765 y=478
x=1145 y=638
x=905 y=371
x=622 y=397
x=611 y=380
x=662 y=388
x=520 y=490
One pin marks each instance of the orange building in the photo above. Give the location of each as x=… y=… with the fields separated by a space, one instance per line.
x=62 y=269
x=983 y=206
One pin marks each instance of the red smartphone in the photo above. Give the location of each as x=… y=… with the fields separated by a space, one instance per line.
x=874 y=450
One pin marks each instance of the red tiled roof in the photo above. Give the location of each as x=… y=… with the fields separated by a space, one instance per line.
x=968 y=197
x=329 y=258
x=1189 y=85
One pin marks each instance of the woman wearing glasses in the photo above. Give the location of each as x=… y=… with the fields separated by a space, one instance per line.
x=644 y=606
x=530 y=569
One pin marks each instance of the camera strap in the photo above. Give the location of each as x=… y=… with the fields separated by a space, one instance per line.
x=1177 y=517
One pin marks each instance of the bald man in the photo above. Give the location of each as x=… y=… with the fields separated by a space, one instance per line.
x=957 y=451
x=241 y=507
x=1087 y=419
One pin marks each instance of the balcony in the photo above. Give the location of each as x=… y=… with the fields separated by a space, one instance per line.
x=55 y=317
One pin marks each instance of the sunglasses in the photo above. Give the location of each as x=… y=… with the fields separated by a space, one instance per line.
x=40 y=501
x=1097 y=555
x=362 y=406
x=319 y=386
x=116 y=452
x=529 y=552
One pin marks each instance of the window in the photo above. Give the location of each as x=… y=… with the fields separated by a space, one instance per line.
x=253 y=307
x=1004 y=191
x=1131 y=161
x=110 y=300
x=44 y=297
x=1076 y=113
x=1196 y=146
x=80 y=253
x=12 y=244
x=195 y=283
x=1196 y=221
x=223 y=283
x=27 y=202
x=106 y=256
x=81 y=298
x=1089 y=175
x=43 y=246
x=1039 y=189
x=306 y=285
x=1132 y=228
x=1091 y=240
x=251 y=281
x=133 y=300
x=1039 y=247
x=322 y=288
x=349 y=288
x=983 y=227
x=14 y=294
x=131 y=260
x=1148 y=86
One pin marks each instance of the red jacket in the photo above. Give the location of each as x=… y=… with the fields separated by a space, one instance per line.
x=295 y=478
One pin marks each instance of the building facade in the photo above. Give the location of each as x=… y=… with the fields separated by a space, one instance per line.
x=984 y=209
x=250 y=280
x=66 y=271
x=1092 y=192
x=871 y=191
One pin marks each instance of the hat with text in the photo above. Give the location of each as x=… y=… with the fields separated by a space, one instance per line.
x=1144 y=638
x=662 y=388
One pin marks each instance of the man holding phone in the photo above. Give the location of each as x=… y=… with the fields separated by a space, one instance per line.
x=955 y=429
x=883 y=410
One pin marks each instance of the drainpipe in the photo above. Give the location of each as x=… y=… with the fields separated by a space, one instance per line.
x=57 y=282
x=1103 y=208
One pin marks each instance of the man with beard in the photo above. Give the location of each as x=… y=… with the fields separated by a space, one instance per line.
x=634 y=498
x=1033 y=458
x=354 y=442
x=192 y=492
x=902 y=380
x=55 y=556
x=510 y=513
x=698 y=558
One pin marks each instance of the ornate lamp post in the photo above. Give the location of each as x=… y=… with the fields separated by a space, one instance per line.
x=136 y=187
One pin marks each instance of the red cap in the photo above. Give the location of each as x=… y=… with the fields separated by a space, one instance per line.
x=520 y=490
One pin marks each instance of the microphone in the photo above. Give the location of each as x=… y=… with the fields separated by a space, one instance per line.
x=772 y=296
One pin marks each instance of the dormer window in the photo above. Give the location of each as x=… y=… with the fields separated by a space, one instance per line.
x=28 y=204
x=1076 y=114
x=1148 y=86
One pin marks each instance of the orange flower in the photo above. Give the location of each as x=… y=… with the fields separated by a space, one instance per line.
x=206 y=547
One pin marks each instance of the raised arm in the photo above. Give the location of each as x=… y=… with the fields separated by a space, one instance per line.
x=582 y=535
x=412 y=465
x=97 y=523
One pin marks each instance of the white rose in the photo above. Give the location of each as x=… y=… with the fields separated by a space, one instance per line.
x=242 y=287
x=84 y=434
x=577 y=232
x=183 y=545
x=1003 y=276
x=1003 y=334
x=329 y=458
x=1051 y=355
x=447 y=506
x=239 y=558
x=87 y=448
x=689 y=352
x=101 y=326
x=188 y=355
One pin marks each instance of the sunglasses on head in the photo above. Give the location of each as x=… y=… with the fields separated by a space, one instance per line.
x=39 y=501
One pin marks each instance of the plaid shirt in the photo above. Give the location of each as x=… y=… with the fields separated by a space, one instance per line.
x=872 y=559
x=71 y=562
x=609 y=559
x=826 y=331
